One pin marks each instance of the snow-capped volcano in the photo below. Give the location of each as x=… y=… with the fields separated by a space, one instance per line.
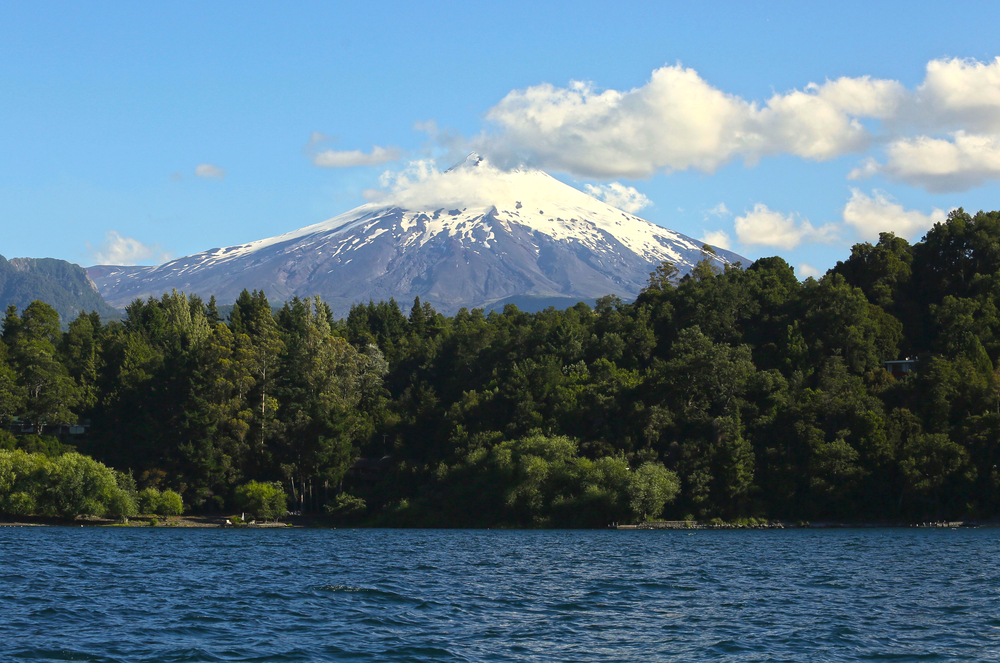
x=470 y=236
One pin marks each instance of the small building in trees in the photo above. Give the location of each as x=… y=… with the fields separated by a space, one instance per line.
x=900 y=368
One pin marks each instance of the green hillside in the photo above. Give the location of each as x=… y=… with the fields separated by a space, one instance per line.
x=63 y=285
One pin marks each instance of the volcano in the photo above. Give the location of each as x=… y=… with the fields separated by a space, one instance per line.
x=472 y=236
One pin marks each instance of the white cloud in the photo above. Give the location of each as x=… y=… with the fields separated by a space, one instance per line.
x=719 y=210
x=209 y=171
x=959 y=93
x=871 y=215
x=806 y=270
x=821 y=122
x=957 y=112
x=618 y=195
x=678 y=121
x=942 y=135
x=939 y=165
x=868 y=168
x=118 y=250
x=719 y=238
x=347 y=159
x=763 y=226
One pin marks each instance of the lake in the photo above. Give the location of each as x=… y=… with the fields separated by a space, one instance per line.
x=158 y=594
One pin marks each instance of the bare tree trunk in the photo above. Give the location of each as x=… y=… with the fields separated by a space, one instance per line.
x=263 y=401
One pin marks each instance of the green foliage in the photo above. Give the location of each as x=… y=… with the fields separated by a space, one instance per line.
x=758 y=395
x=650 y=488
x=68 y=486
x=346 y=508
x=48 y=445
x=170 y=504
x=264 y=501
x=49 y=391
x=152 y=501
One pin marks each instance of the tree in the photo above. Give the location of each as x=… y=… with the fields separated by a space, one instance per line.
x=50 y=392
x=663 y=278
x=323 y=381
x=880 y=270
x=79 y=350
x=263 y=501
x=11 y=393
x=650 y=488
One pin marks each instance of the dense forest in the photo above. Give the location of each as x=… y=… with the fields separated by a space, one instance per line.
x=736 y=393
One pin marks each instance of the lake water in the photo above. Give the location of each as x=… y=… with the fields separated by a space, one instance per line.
x=112 y=594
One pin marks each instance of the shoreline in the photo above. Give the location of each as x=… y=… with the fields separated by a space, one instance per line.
x=700 y=525
x=307 y=522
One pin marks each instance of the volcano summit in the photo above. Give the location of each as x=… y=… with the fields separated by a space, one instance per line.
x=472 y=236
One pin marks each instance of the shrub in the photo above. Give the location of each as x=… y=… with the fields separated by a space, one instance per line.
x=18 y=504
x=170 y=504
x=346 y=507
x=148 y=500
x=23 y=478
x=121 y=505
x=68 y=486
x=48 y=445
x=167 y=503
x=80 y=486
x=264 y=501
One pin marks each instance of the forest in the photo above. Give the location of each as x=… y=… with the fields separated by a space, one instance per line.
x=729 y=393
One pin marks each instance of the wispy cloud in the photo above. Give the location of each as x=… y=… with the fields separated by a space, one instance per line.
x=209 y=171
x=719 y=210
x=350 y=158
x=119 y=250
x=317 y=137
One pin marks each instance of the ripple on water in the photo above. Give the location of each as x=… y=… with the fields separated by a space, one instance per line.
x=135 y=595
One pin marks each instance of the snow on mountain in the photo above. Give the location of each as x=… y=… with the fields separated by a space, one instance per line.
x=470 y=236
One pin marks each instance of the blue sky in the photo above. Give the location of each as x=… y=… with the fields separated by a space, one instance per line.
x=133 y=132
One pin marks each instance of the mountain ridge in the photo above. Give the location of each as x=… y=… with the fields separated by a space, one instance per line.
x=64 y=286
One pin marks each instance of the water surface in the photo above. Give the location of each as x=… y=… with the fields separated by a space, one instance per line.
x=111 y=594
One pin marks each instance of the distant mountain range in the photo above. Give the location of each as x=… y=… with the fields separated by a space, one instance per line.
x=60 y=284
x=474 y=236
